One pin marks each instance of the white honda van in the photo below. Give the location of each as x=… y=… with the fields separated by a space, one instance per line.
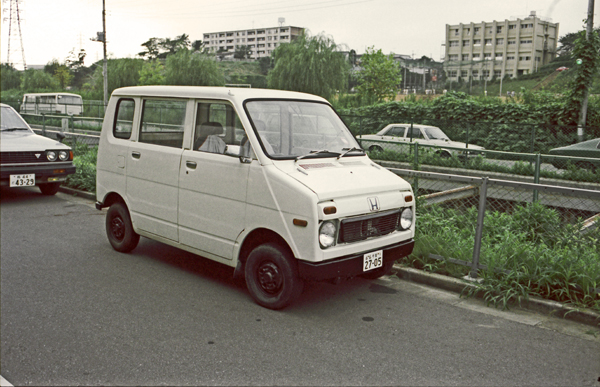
x=269 y=182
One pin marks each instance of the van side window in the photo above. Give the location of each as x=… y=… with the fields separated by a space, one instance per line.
x=124 y=119
x=217 y=128
x=162 y=122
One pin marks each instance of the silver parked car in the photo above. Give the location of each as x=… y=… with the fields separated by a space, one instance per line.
x=28 y=159
x=396 y=137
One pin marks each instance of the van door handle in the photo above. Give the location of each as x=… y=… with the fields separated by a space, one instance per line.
x=191 y=164
x=136 y=155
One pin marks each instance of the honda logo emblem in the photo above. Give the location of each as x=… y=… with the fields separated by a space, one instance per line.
x=373 y=203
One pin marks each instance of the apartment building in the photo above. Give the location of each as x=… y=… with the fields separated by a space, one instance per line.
x=261 y=41
x=499 y=48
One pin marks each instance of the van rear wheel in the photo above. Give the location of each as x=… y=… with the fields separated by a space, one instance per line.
x=272 y=276
x=119 y=229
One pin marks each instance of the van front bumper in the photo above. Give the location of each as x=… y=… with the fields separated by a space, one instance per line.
x=350 y=265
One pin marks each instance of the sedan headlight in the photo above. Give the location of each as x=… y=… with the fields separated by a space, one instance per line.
x=51 y=155
x=406 y=218
x=327 y=233
x=63 y=155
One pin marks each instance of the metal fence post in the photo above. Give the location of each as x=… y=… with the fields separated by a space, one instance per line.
x=479 y=229
x=416 y=167
x=43 y=124
x=536 y=175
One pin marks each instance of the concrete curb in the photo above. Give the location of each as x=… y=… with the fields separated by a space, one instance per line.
x=455 y=285
x=75 y=192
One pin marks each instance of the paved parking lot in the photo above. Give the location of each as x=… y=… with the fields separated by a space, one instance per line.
x=75 y=312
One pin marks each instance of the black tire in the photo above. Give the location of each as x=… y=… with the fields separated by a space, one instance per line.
x=272 y=276
x=379 y=272
x=49 y=188
x=375 y=148
x=119 y=229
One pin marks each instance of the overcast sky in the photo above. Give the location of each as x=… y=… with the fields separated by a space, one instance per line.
x=52 y=28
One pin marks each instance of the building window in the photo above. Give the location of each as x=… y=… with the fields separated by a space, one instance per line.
x=452 y=73
x=526 y=41
x=465 y=57
x=475 y=73
x=500 y=42
x=497 y=73
x=498 y=56
x=465 y=43
x=528 y=25
x=476 y=57
x=487 y=56
x=464 y=73
x=467 y=31
x=453 y=57
x=477 y=42
x=488 y=42
x=456 y=32
x=524 y=58
x=454 y=43
x=499 y=29
x=512 y=26
x=476 y=30
x=485 y=73
x=510 y=57
x=511 y=42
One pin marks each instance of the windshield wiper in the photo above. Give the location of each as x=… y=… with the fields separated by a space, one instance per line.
x=313 y=153
x=13 y=129
x=348 y=150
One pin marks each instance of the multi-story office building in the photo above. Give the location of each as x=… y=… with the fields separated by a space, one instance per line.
x=484 y=50
x=260 y=41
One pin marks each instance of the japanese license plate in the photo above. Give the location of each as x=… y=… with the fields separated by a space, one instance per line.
x=372 y=260
x=22 y=180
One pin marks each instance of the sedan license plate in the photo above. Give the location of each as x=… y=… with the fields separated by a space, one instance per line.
x=372 y=260
x=22 y=180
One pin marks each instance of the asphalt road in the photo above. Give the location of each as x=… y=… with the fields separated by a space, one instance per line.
x=75 y=312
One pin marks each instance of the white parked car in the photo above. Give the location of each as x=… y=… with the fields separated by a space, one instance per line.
x=28 y=159
x=269 y=182
x=397 y=137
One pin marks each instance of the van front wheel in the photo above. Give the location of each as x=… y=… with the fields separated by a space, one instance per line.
x=272 y=276
x=119 y=229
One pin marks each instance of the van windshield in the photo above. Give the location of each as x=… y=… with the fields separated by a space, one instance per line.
x=290 y=128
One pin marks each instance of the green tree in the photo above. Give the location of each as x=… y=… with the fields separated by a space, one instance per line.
x=171 y=46
x=242 y=52
x=63 y=76
x=379 y=77
x=38 y=80
x=10 y=77
x=311 y=65
x=194 y=69
x=152 y=73
x=152 y=49
x=588 y=51
x=121 y=73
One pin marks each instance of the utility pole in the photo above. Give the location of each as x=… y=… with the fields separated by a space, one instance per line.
x=586 y=91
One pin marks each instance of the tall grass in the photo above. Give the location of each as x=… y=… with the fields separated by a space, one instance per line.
x=530 y=251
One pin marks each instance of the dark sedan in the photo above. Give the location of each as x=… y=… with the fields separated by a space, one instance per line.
x=587 y=149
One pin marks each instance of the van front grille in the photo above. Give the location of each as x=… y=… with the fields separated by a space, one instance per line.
x=363 y=227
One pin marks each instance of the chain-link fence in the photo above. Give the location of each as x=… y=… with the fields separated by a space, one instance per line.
x=531 y=238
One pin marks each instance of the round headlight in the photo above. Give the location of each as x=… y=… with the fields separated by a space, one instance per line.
x=51 y=156
x=63 y=155
x=406 y=218
x=327 y=233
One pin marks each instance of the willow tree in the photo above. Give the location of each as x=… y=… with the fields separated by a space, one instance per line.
x=193 y=69
x=308 y=64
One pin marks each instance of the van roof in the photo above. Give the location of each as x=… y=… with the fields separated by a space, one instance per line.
x=42 y=94
x=230 y=93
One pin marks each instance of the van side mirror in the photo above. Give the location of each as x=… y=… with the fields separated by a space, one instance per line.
x=60 y=136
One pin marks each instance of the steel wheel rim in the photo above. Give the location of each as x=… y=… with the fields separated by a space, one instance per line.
x=117 y=228
x=269 y=277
